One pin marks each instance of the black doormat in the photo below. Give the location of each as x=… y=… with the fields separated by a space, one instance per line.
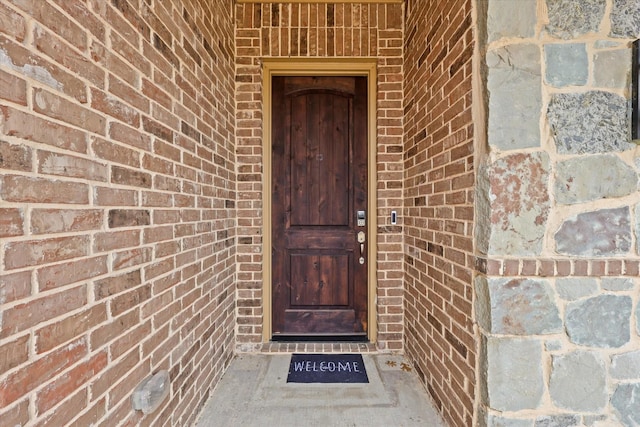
x=327 y=368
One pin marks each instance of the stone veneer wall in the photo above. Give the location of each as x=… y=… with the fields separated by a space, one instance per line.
x=438 y=214
x=558 y=216
x=117 y=198
x=269 y=30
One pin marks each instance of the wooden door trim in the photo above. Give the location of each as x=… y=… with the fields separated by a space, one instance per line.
x=319 y=67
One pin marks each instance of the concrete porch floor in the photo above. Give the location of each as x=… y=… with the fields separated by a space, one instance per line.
x=254 y=392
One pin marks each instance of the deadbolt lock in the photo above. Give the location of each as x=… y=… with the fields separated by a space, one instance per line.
x=361 y=237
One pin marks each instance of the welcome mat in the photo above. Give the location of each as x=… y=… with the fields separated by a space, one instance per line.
x=327 y=368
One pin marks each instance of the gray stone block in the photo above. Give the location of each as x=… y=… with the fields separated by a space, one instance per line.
x=558 y=421
x=553 y=345
x=519 y=196
x=612 y=68
x=518 y=307
x=617 y=284
x=493 y=420
x=566 y=64
x=507 y=18
x=571 y=18
x=625 y=19
x=638 y=319
x=589 y=178
x=482 y=229
x=626 y=402
x=578 y=382
x=573 y=288
x=602 y=321
x=513 y=371
x=638 y=228
x=497 y=421
x=483 y=302
x=591 y=122
x=606 y=232
x=594 y=420
x=515 y=97
x=626 y=366
x=606 y=44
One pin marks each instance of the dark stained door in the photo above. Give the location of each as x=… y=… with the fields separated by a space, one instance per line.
x=319 y=271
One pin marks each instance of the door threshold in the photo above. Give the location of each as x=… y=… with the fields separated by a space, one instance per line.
x=320 y=338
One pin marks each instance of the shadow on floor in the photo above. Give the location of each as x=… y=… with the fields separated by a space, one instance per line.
x=254 y=392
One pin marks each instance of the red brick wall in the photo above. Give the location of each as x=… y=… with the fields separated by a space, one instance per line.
x=319 y=30
x=117 y=195
x=438 y=203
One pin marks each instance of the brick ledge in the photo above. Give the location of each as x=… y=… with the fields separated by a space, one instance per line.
x=545 y=267
x=309 y=347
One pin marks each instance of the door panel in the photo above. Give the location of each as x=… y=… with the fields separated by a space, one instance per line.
x=319 y=182
x=320 y=195
x=317 y=280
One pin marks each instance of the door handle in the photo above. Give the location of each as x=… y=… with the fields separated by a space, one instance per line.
x=361 y=239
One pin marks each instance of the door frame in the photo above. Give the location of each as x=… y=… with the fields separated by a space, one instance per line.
x=319 y=67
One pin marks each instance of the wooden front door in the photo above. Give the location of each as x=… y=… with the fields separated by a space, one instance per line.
x=319 y=271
